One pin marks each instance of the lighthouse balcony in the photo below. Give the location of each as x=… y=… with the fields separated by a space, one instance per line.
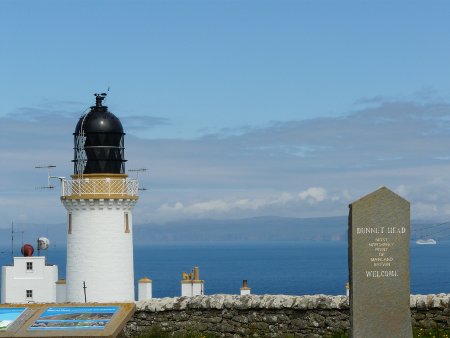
x=102 y=187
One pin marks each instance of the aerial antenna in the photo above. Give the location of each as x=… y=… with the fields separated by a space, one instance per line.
x=12 y=240
x=137 y=171
x=48 y=167
x=100 y=97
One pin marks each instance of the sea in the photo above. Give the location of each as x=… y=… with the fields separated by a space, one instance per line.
x=290 y=268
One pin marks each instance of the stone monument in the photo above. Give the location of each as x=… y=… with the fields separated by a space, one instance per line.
x=378 y=244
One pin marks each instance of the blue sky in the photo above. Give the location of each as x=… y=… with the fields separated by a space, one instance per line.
x=238 y=108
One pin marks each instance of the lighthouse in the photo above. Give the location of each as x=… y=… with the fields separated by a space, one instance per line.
x=99 y=199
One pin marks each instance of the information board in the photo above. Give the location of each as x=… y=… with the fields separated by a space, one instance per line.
x=75 y=318
x=8 y=316
x=79 y=320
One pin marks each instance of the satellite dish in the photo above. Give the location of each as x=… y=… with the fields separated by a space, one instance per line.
x=43 y=243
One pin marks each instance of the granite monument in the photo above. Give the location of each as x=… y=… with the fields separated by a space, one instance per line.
x=378 y=239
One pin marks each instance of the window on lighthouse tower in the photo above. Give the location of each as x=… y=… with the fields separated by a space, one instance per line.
x=127 y=226
x=69 y=229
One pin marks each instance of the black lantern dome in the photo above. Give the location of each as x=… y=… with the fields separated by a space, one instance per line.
x=99 y=142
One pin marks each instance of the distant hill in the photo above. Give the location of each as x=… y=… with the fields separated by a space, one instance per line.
x=268 y=228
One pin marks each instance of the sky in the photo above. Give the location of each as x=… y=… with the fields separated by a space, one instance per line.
x=236 y=108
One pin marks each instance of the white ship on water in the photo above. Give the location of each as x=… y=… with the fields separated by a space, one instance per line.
x=426 y=241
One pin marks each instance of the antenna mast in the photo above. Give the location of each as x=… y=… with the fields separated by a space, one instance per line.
x=12 y=242
x=137 y=171
x=48 y=167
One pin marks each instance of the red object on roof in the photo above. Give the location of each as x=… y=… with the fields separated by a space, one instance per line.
x=27 y=250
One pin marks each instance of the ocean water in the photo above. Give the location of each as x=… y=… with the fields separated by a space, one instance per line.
x=270 y=268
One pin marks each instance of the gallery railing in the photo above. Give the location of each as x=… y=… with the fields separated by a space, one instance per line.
x=113 y=187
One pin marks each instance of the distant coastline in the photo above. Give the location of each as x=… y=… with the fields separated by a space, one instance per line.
x=255 y=229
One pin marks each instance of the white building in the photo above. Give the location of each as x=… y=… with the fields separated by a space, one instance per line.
x=99 y=200
x=245 y=290
x=191 y=284
x=29 y=280
x=144 y=289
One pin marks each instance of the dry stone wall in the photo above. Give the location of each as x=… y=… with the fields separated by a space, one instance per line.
x=268 y=315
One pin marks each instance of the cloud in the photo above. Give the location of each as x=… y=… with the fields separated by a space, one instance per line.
x=399 y=144
x=35 y=136
x=301 y=168
x=371 y=100
x=138 y=123
x=216 y=206
x=286 y=203
x=425 y=210
x=401 y=190
x=313 y=194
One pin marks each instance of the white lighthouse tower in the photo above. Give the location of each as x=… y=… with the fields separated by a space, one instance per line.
x=99 y=200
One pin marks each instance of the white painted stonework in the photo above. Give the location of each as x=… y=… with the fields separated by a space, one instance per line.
x=40 y=280
x=144 y=290
x=245 y=291
x=192 y=288
x=61 y=292
x=100 y=250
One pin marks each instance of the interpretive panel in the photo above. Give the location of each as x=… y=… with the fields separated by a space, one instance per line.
x=75 y=318
x=8 y=316
x=379 y=235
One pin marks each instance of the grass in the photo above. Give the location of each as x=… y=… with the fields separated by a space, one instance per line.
x=339 y=335
x=156 y=332
x=417 y=333
x=431 y=333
